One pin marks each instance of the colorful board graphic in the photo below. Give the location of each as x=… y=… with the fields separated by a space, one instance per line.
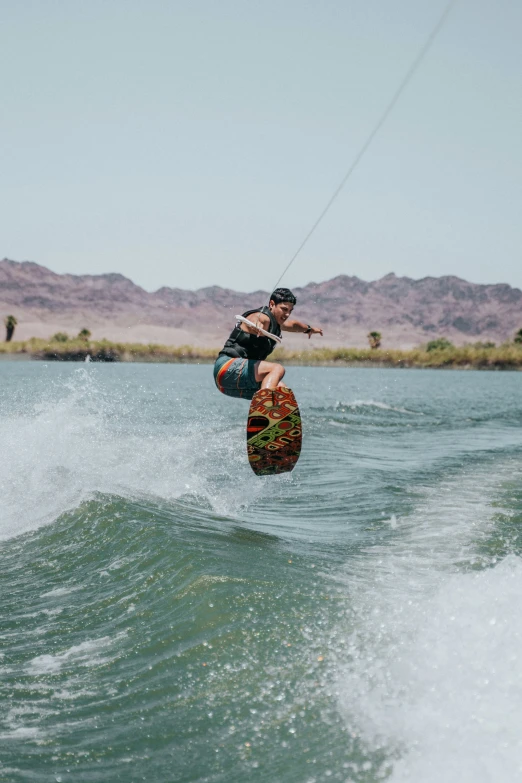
x=274 y=433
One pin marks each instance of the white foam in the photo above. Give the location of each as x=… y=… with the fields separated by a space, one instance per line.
x=59 y=591
x=66 y=694
x=88 y=653
x=22 y=733
x=65 y=451
x=434 y=662
x=376 y=404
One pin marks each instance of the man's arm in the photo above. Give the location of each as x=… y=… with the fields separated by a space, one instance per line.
x=300 y=326
x=259 y=319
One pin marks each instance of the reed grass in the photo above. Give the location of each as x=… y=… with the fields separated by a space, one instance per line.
x=506 y=356
x=502 y=357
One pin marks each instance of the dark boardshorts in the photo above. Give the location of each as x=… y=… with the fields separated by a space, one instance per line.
x=236 y=377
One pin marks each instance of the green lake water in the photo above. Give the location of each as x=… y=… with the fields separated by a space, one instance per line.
x=166 y=616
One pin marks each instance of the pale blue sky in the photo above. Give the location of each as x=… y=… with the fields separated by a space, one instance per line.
x=192 y=143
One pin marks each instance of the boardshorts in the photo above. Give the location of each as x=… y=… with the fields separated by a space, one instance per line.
x=236 y=377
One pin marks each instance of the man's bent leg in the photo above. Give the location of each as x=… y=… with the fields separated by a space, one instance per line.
x=269 y=374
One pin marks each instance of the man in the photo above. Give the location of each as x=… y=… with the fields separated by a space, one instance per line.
x=240 y=369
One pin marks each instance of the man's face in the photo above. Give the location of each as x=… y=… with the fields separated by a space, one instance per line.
x=281 y=311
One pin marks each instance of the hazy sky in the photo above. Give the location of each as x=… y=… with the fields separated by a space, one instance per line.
x=194 y=142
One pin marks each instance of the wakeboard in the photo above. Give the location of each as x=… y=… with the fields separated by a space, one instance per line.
x=274 y=433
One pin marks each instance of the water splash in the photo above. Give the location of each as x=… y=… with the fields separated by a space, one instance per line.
x=434 y=658
x=80 y=439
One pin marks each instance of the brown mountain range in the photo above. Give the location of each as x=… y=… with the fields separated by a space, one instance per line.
x=407 y=312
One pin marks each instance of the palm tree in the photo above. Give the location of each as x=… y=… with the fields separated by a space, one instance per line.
x=10 y=323
x=374 y=338
x=85 y=334
x=518 y=336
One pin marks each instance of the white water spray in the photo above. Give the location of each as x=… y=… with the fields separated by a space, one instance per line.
x=435 y=658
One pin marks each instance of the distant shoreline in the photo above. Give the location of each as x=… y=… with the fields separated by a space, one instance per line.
x=504 y=357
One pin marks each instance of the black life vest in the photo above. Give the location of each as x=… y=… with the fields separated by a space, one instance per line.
x=242 y=345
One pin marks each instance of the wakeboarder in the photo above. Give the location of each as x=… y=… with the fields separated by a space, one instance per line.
x=241 y=368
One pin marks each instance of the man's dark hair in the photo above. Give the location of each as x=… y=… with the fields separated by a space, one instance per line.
x=283 y=295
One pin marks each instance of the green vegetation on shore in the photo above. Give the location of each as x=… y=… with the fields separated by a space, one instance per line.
x=79 y=348
x=480 y=355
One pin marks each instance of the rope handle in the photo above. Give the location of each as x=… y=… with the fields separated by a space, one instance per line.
x=261 y=331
